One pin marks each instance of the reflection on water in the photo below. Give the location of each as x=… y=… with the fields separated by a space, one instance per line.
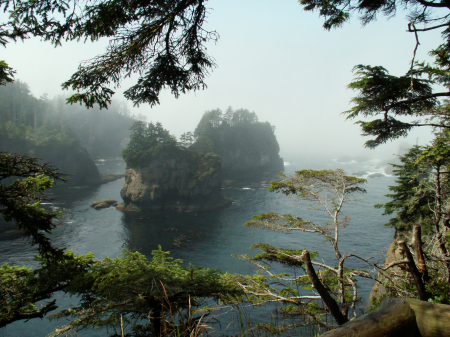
x=208 y=239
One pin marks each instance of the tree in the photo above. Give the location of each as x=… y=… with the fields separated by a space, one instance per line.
x=6 y=73
x=22 y=183
x=396 y=99
x=335 y=285
x=163 y=41
x=421 y=201
x=128 y=287
x=133 y=291
x=409 y=206
x=187 y=139
x=148 y=142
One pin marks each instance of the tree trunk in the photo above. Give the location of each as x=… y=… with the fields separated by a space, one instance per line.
x=394 y=318
x=326 y=297
x=414 y=272
x=398 y=317
x=416 y=244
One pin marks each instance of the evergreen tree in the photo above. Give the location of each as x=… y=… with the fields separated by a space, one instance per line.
x=22 y=183
x=149 y=142
x=164 y=41
x=143 y=294
x=330 y=288
x=410 y=206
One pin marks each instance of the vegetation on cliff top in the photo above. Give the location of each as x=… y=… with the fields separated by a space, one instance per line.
x=151 y=142
x=235 y=130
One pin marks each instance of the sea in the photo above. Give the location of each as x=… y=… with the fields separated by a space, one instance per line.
x=207 y=239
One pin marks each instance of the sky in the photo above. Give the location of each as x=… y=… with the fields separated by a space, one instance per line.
x=274 y=59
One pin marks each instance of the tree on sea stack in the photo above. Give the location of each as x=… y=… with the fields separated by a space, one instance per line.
x=149 y=142
x=321 y=288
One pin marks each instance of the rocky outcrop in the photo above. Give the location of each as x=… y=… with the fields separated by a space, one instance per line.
x=72 y=159
x=249 y=151
x=187 y=183
x=103 y=203
x=246 y=163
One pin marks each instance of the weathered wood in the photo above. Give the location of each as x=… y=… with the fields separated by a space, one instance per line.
x=394 y=318
x=399 y=317
x=417 y=244
x=420 y=286
x=323 y=292
x=433 y=319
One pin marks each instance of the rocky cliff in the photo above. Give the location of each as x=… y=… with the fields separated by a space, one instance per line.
x=187 y=182
x=249 y=149
x=69 y=159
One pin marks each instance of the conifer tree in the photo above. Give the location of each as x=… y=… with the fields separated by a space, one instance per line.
x=322 y=288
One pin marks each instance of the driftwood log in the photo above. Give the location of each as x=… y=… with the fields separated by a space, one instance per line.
x=399 y=317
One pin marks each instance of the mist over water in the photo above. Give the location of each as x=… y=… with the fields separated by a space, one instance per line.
x=208 y=239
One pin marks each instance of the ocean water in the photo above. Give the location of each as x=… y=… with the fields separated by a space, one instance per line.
x=207 y=239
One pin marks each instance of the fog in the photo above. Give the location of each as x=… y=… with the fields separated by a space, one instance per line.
x=273 y=59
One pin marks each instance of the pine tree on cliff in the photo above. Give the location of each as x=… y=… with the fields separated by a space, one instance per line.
x=149 y=142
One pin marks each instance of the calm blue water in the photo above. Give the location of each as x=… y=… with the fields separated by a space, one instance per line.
x=207 y=239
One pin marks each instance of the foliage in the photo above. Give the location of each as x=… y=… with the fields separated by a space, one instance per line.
x=235 y=131
x=22 y=183
x=128 y=286
x=421 y=200
x=187 y=139
x=149 y=142
x=396 y=100
x=306 y=292
x=163 y=41
x=6 y=73
x=140 y=291
x=21 y=287
x=24 y=117
x=410 y=207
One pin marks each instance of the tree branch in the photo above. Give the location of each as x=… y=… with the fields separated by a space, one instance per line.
x=324 y=294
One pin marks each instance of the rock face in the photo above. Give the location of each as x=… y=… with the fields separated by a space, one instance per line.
x=249 y=151
x=187 y=183
x=74 y=161
x=103 y=203
x=247 y=162
x=68 y=159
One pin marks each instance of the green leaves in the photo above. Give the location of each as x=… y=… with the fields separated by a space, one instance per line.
x=162 y=41
x=21 y=288
x=392 y=97
x=137 y=288
x=20 y=200
x=149 y=142
x=6 y=73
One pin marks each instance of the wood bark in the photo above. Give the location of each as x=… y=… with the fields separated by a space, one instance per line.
x=398 y=317
x=433 y=319
x=326 y=297
x=423 y=295
x=416 y=244
x=394 y=318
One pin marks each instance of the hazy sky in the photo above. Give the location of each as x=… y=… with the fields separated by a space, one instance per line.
x=274 y=59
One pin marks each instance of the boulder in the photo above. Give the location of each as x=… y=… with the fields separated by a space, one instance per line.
x=103 y=203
